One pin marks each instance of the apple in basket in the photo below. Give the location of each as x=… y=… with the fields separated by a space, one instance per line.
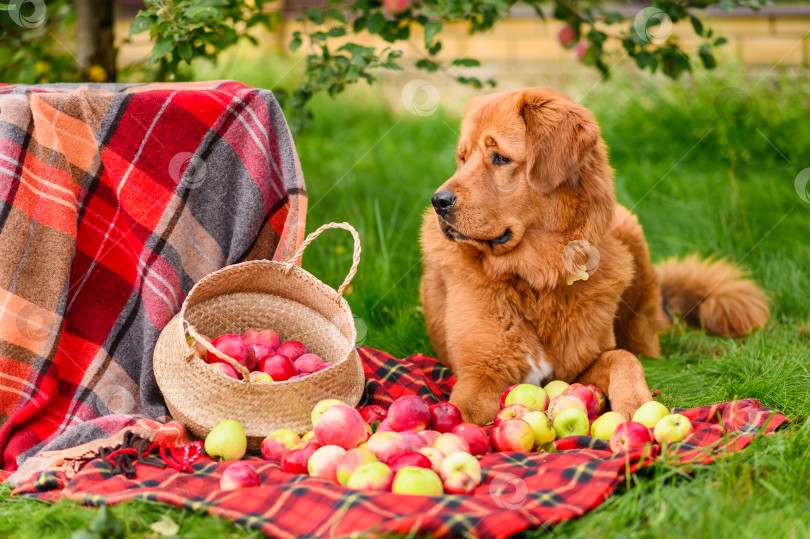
x=341 y=425
x=235 y=347
x=279 y=367
x=292 y=349
x=409 y=413
x=444 y=416
x=263 y=341
x=260 y=377
x=239 y=475
x=227 y=370
x=415 y=480
x=307 y=363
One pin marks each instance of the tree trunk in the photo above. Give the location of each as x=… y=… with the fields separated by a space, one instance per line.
x=95 y=39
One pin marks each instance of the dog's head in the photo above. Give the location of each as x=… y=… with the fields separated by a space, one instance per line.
x=530 y=161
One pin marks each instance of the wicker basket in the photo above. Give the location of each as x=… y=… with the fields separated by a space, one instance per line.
x=262 y=293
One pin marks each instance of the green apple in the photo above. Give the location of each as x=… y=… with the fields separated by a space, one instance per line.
x=672 y=428
x=649 y=413
x=371 y=476
x=604 y=425
x=420 y=481
x=530 y=396
x=323 y=406
x=541 y=426
x=555 y=387
x=571 y=422
x=353 y=459
x=226 y=441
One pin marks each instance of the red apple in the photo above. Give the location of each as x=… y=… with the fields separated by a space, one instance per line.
x=395 y=6
x=322 y=367
x=341 y=425
x=444 y=416
x=513 y=435
x=513 y=411
x=629 y=435
x=582 y=48
x=226 y=369
x=307 y=363
x=296 y=459
x=417 y=442
x=566 y=400
x=475 y=436
x=410 y=459
x=384 y=426
x=587 y=396
x=435 y=456
x=449 y=443
x=277 y=443
x=233 y=346
x=459 y=482
x=292 y=349
x=263 y=341
x=461 y=461
x=324 y=462
x=239 y=475
x=279 y=367
x=567 y=36
x=409 y=413
x=505 y=393
x=387 y=446
x=600 y=398
x=429 y=436
x=373 y=413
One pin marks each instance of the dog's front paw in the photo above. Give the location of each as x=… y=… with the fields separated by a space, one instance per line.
x=475 y=407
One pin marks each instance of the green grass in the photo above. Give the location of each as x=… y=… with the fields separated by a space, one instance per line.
x=700 y=179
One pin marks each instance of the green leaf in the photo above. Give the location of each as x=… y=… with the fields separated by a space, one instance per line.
x=696 y=24
x=106 y=525
x=706 y=56
x=314 y=14
x=142 y=23
x=720 y=41
x=163 y=46
x=466 y=62
x=375 y=23
x=428 y=65
x=296 y=41
x=432 y=29
x=337 y=31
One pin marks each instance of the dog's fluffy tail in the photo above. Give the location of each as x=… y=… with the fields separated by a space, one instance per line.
x=712 y=294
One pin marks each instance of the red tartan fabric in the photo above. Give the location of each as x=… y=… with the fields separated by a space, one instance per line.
x=520 y=490
x=114 y=201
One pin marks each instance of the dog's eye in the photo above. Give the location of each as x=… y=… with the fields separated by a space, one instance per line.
x=498 y=159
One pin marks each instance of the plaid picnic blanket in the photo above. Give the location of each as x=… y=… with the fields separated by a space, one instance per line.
x=114 y=201
x=519 y=491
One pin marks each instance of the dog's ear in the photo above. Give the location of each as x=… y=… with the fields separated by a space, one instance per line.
x=560 y=134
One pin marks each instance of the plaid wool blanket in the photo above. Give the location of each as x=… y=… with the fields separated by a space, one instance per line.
x=519 y=491
x=114 y=201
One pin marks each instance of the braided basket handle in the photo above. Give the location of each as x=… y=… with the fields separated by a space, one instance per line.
x=241 y=369
x=355 y=255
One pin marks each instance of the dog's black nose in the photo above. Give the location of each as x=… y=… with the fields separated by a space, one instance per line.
x=443 y=201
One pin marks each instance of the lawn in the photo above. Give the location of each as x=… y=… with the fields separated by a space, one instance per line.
x=707 y=170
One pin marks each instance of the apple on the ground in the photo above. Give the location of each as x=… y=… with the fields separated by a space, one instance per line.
x=409 y=413
x=512 y=411
x=279 y=367
x=434 y=455
x=571 y=422
x=600 y=398
x=531 y=396
x=672 y=428
x=277 y=443
x=292 y=349
x=513 y=435
x=239 y=475
x=322 y=406
x=226 y=441
x=371 y=476
x=296 y=459
x=324 y=462
x=461 y=461
x=308 y=435
x=555 y=388
x=233 y=346
x=417 y=442
x=341 y=425
x=649 y=413
x=449 y=443
x=413 y=458
x=476 y=437
x=459 y=482
x=373 y=413
x=349 y=462
x=604 y=425
x=505 y=393
x=587 y=396
x=444 y=416
x=629 y=435
x=384 y=426
x=387 y=446
x=430 y=436
x=541 y=427
x=414 y=480
x=564 y=401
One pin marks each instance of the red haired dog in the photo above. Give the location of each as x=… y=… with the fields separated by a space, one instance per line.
x=533 y=272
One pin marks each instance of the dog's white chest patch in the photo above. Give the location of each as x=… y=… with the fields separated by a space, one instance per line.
x=539 y=368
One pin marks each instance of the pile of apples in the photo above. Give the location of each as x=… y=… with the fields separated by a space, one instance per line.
x=416 y=448
x=263 y=354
